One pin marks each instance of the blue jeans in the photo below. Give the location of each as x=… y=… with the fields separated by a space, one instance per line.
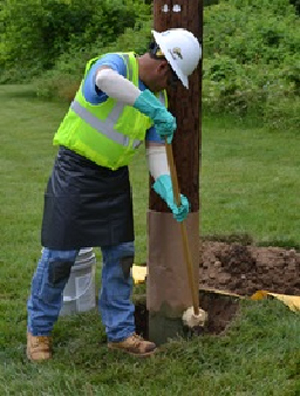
x=115 y=304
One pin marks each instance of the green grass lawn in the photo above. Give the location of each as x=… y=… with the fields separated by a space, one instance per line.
x=249 y=185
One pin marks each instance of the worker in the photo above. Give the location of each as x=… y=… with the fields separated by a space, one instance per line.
x=120 y=103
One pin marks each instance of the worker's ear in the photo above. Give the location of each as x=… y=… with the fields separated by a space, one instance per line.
x=163 y=66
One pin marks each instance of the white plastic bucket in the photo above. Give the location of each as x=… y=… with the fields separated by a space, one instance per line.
x=80 y=291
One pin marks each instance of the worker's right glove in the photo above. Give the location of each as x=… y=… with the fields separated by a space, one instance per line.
x=163 y=187
x=164 y=122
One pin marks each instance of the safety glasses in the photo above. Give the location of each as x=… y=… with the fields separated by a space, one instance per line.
x=155 y=51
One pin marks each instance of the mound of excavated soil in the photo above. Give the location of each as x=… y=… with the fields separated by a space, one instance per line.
x=245 y=269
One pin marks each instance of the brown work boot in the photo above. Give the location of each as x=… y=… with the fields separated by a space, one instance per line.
x=39 y=347
x=134 y=345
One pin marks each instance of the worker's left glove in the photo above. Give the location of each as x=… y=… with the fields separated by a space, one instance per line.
x=165 y=124
x=163 y=187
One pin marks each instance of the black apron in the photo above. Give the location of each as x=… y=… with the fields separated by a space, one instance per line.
x=86 y=204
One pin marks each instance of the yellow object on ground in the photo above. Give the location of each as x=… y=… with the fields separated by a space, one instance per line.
x=139 y=274
x=293 y=302
x=223 y=292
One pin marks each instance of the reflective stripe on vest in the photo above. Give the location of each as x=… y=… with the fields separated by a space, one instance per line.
x=105 y=127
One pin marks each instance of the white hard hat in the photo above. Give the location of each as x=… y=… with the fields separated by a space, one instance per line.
x=181 y=49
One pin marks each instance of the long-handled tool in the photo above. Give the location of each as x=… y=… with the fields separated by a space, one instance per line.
x=193 y=316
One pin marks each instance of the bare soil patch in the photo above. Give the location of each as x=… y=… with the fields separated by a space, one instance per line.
x=236 y=268
x=244 y=269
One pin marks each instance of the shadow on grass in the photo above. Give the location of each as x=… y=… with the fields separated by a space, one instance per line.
x=246 y=240
x=18 y=91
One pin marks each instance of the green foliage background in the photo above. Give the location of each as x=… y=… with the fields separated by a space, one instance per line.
x=36 y=33
x=251 y=62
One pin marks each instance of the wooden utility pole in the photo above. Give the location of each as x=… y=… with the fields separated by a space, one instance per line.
x=168 y=292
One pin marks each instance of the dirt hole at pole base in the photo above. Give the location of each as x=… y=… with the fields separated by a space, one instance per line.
x=239 y=268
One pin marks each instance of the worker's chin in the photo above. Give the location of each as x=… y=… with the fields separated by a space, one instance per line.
x=157 y=87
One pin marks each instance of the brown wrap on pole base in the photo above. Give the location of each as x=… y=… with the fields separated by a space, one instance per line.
x=168 y=292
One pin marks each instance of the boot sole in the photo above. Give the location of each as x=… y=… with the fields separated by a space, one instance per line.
x=30 y=358
x=141 y=355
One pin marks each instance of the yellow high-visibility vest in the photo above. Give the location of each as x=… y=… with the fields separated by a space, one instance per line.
x=107 y=133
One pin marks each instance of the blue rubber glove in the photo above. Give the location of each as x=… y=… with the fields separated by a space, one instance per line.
x=164 y=122
x=163 y=187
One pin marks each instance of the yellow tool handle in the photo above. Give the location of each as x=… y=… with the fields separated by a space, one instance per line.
x=186 y=249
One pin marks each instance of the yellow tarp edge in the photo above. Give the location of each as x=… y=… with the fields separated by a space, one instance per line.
x=293 y=302
x=139 y=274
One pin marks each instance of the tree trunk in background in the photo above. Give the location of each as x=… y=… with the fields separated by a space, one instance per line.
x=168 y=292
